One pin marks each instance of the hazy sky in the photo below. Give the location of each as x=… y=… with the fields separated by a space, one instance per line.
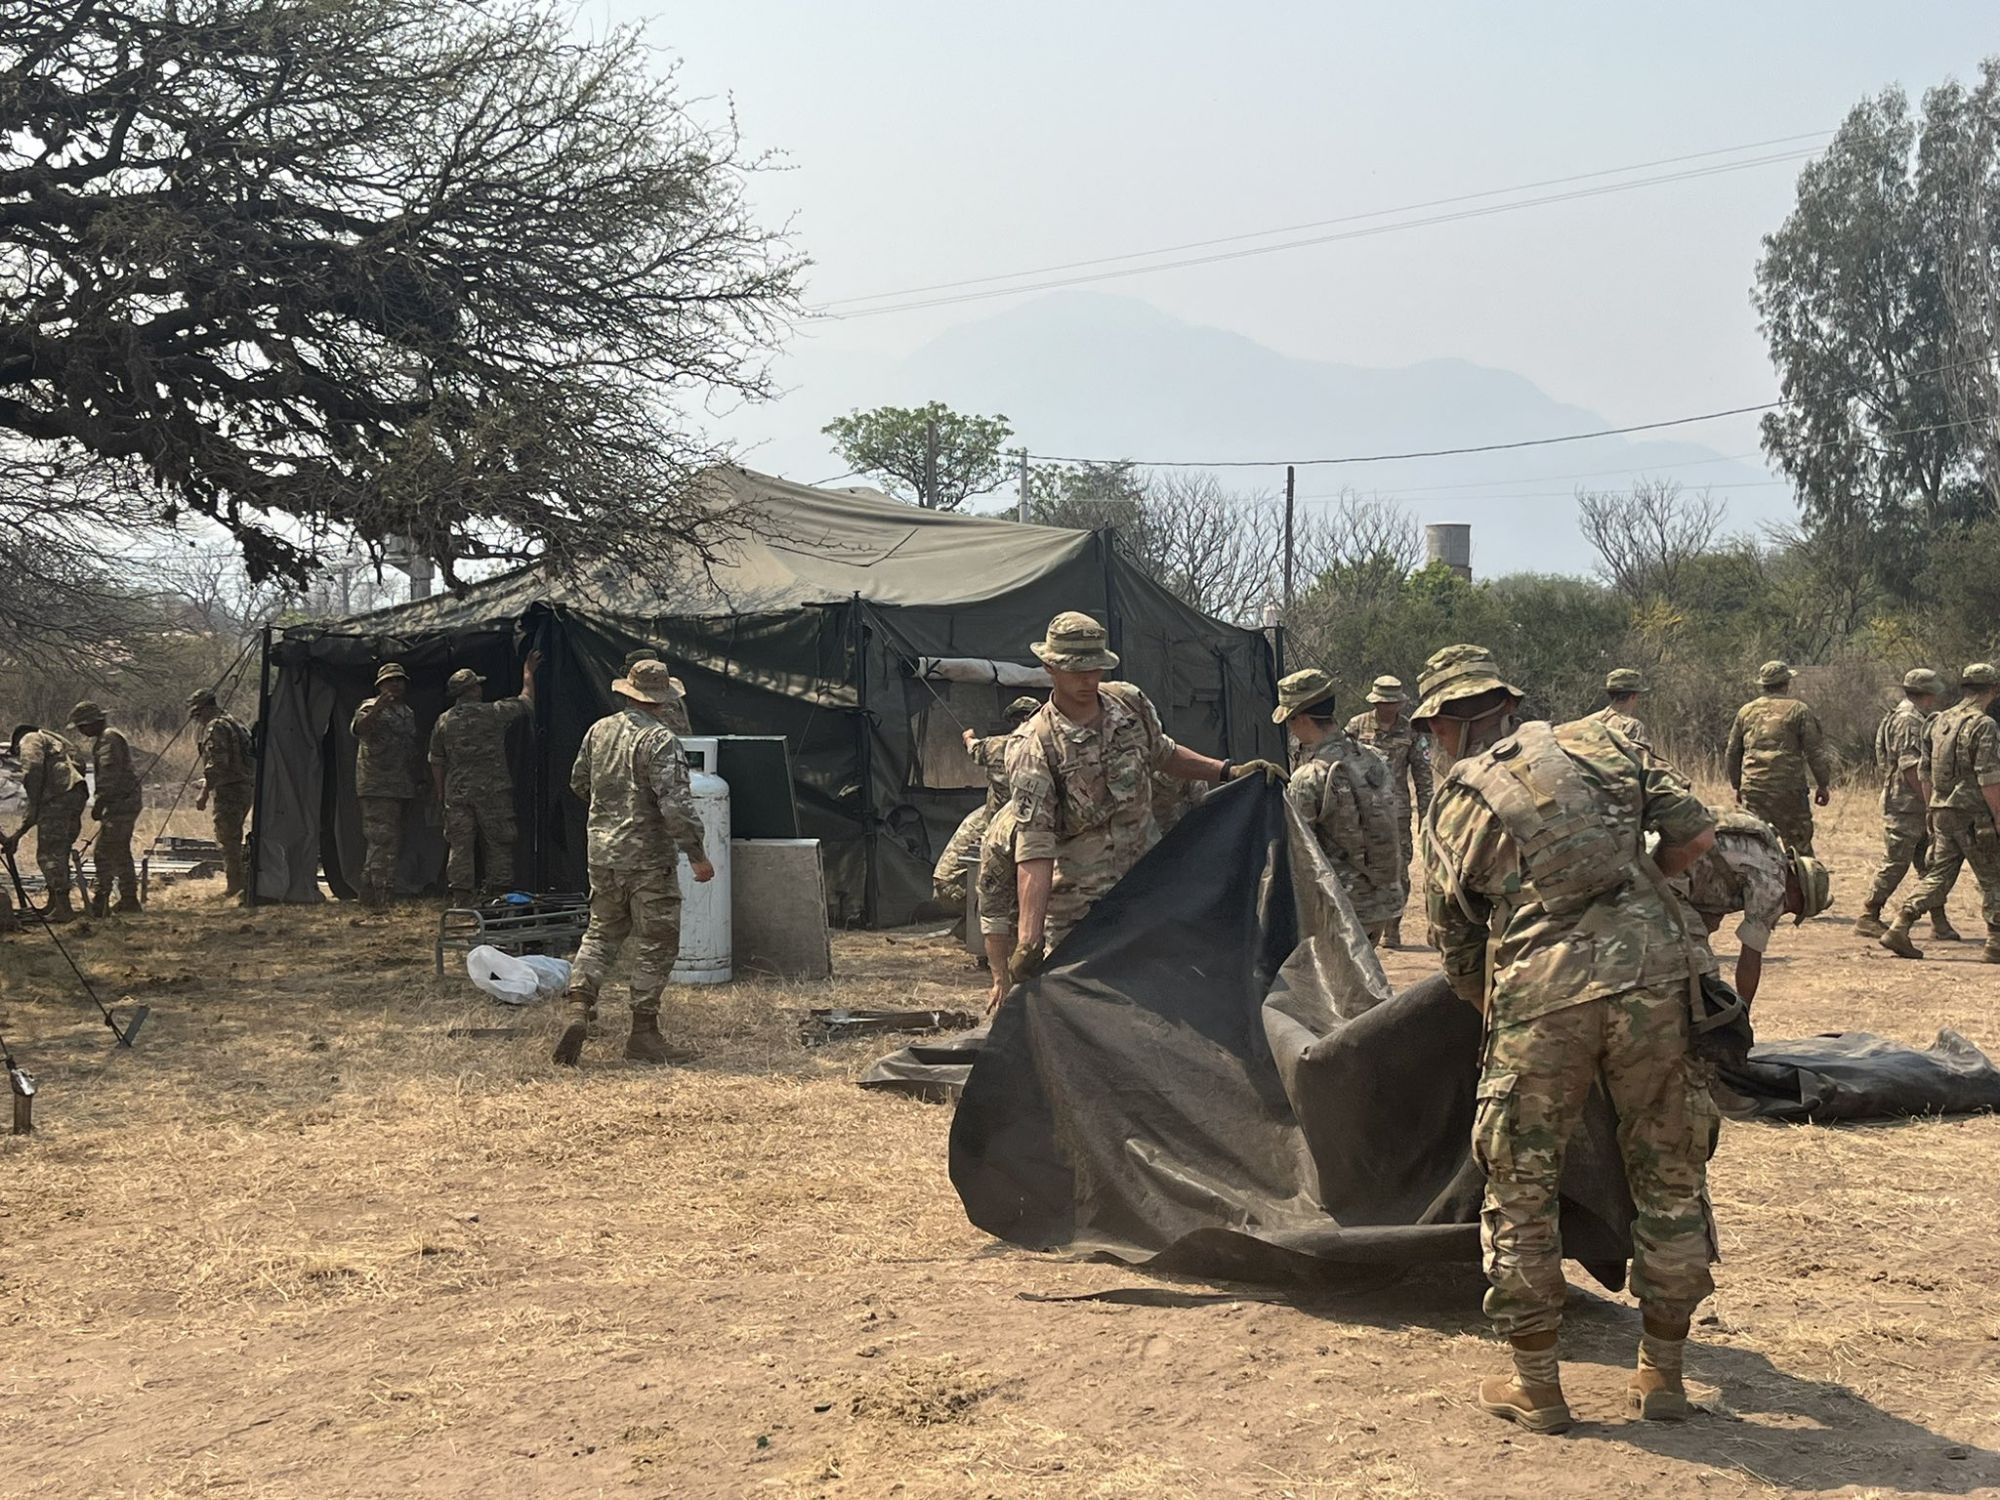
x=932 y=142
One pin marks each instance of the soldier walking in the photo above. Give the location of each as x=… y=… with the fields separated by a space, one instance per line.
x=1580 y=957
x=1965 y=810
x=1341 y=788
x=1902 y=752
x=1774 y=742
x=385 y=778
x=1384 y=730
x=116 y=801
x=1081 y=776
x=228 y=779
x=632 y=774
x=52 y=782
x=1622 y=690
x=475 y=784
x=989 y=753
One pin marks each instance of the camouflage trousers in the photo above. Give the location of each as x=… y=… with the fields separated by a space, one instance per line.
x=56 y=833
x=1405 y=840
x=1787 y=808
x=382 y=838
x=639 y=909
x=1532 y=1091
x=1957 y=839
x=480 y=837
x=948 y=876
x=231 y=806
x=113 y=860
x=1906 y=840
x=999 y=889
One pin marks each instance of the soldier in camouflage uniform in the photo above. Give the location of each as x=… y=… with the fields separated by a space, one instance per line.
x=385 y=778
x=1581 y=959
x=1341 y=788
x=1902 y=753
x=999 y=899
x=475 y=785
x=676 y=714
x=52 y=782
x=1773 y=743
x=1080 y=772
x=1749 y=870
x=229 y=780
x=631 y=773
x=117 y=799
x=1622 y=689
x=1384 y=730
x=1965 y=810
x=989 y=753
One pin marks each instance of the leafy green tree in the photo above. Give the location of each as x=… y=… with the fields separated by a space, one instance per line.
x=928 y=455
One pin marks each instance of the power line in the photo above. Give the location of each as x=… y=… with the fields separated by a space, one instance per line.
x=1369 y=232
x=1378 y=213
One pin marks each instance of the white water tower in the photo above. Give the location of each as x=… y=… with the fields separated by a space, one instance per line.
x=707 y=937
x=1451 y=544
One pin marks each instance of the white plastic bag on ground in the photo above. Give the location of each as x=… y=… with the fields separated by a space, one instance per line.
x=506 y=978
x=551 y=973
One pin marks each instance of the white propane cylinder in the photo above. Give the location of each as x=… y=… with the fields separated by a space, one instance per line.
x=706 y=935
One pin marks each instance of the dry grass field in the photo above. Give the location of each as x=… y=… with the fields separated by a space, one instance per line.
x=301 y=1243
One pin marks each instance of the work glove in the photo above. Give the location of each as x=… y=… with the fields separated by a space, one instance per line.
x=1823 y=796
x=97 y=810
x=201 y=801
x=1271 y=771
x=1026 y=962
x=9 y=842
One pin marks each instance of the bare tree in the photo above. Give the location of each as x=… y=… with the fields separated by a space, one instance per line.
x=1216 y=550
x=1645 y=539
x=62 y=596
x=1363 y=548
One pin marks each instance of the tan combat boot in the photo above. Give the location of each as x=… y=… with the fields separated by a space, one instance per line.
x=569 y=1047
x=1869 y=924
x=1532 y=1396
x=646 y=1045
x=100 y=902
x=59 y=908
x=1897 y=938
x=1941 y=928
x=1655 y=1392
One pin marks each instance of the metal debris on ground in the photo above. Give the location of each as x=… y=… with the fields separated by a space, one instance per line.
x=818 y=1028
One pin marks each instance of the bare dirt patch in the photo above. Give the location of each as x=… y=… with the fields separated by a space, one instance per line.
x=301 y=1243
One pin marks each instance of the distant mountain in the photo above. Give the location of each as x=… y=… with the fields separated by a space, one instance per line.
x=1086 y=374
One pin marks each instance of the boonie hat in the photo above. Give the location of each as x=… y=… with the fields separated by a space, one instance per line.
x=1922 y=680
x=1076 y=643
x=1814 y=883
x=200 y=698
x=1981 y=674
x=1023 y=707
x=648 y=681
x=1774 y=674
x=85 y=712
x=390 y=671
x=1454 y=672
x=1299 y=692
x=1387 y=690
x=1625 y=680
x=463 y=681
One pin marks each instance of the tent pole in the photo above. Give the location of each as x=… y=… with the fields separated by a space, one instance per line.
x=865 y=753
x=253 y=863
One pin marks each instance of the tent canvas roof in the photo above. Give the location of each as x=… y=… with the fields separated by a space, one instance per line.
x=798 y=546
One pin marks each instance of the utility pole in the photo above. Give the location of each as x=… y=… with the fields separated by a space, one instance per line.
x=1023 y=516
x=930 y=463
x=1291 y=495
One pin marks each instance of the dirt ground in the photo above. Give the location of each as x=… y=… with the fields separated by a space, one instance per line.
x=301 y=1243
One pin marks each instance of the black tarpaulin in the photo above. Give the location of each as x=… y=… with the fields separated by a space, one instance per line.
x=1213 y=1077
x=1854 y=1076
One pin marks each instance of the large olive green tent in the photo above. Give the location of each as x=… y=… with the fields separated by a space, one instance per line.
x=863 y=631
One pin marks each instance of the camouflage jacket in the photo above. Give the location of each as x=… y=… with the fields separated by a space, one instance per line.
x=1407 y=753
x=632 y=775
x=1902 y=743
x=1174 y=799
x=469 y=744
x=1342 y=791
x=385 y=752
x=52 y=773
x=115 y=789
x=990 y=755
x=1965 y=757
x=1625 y=724
x=1745 y=872
x=1773 y=743
x=227 y=762
x=1497 y=936
x=1083 y=794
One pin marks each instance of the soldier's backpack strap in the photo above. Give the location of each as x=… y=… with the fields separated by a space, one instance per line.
x=1570 y=852
x=1945 y=737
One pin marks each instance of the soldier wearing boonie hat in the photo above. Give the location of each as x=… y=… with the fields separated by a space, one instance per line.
x=228 y=781
x=1622 y=687
x=1774 y=742
x=1581 y=961
x=1384 y=728
x=1080 y=773
x=116 y=802
x=675 y=713
x=474 y=783
x=385 y=778
x=1902 y=756
x=1341 y=789
x=949 y=876
x=1965 y=810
